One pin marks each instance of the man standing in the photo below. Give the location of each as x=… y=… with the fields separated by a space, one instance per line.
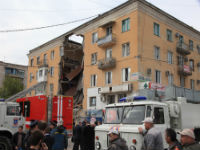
x=77 y=136
x=188 y=140
x=170 y=137
x=116 y=142
x=18 y=139
x=152 y=137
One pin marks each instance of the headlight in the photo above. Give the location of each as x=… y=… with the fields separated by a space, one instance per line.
x=132 y=148
x=98 y=145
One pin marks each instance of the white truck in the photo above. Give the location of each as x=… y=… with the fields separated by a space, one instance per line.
x=128 y=116
x=10 y=120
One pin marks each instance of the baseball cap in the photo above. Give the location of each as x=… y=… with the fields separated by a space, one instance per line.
x=114 y=130
x=148 y=119
x=187 y=132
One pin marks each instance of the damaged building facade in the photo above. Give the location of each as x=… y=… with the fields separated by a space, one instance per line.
x=55 y=68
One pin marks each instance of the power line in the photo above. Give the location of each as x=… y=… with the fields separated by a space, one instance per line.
x=43 y=27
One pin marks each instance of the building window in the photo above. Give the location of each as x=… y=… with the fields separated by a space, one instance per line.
x=156 y=53
x=181 y=39
x=170 y=79
x=191 y=44
x=158 y=76
x=52 y=71
x=198 y=49
x=61 y=51
x=198 y=66
x=182 y=81
x=38 y=60
x=125 y=25
x=31 y=77
x=126 y=74
x=52 y=55
x=37 y=75
x=108 y=53
x=109 y=30
x=180 y=60
x=110 y=99
x=40 y=73
x=94 y=37
x=51 y=87
x=31 y=63
x=192 y=65
x=125 y=49
x=170 y=57
x=92 y=101
x=93 y=80
x=169 y=35
x=156 y=29
x=108 y=77
x=45 y=58
x=94 y=58
x=192 y=84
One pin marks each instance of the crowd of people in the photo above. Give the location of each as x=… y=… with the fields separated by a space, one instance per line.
x=53 y=136
x=41 y=136
x=189 y=138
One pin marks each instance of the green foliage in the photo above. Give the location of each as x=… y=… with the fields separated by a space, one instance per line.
x=10 y=87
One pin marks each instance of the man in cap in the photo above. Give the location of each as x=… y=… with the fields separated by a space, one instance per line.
x=152 y=136
x=188 y=140
x=116 y=142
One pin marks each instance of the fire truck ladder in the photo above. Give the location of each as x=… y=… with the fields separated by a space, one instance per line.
x=24 y=92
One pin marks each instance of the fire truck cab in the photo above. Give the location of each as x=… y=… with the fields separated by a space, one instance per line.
x=128 y=116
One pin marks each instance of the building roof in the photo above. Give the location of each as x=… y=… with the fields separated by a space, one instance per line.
x=11 y=64
x=71 y=32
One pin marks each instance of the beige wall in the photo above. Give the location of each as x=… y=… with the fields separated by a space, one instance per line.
x=148 y=40
x=51 y=63
x=142 y=41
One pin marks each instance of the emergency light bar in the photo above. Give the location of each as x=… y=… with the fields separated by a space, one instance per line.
x=135 y=98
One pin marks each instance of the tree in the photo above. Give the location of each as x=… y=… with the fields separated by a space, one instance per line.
x=10 y=87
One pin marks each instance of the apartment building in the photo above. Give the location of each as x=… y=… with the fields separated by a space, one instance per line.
x=132 y=46
x=55 y=66
x=14 y=71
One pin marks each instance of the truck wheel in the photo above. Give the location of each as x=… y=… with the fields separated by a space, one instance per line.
x=5 y=143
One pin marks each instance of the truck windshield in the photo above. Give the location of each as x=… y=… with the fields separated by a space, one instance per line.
x=113 y=115
x=13 y=110
x=133 y=114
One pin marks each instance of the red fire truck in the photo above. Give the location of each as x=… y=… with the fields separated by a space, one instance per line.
x=36 y=108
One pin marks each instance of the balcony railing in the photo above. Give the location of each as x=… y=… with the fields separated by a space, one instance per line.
x=106 y=41
x=42 y=63
x=106 y=63
x=182 y=48
x=184 y=70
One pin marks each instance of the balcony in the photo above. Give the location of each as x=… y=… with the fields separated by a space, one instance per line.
x=184 y=70
x=107 y=41
x=182 y=48
x=42 y=63
x=106 y=63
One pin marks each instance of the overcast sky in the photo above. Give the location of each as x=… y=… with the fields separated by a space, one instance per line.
x=19 y=14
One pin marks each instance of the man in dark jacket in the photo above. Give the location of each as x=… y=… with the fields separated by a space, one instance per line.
x=188 y=140
x=170 y=137
x=60 y=137
x=116 y=142
x=18 y=139
x=77 y=136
